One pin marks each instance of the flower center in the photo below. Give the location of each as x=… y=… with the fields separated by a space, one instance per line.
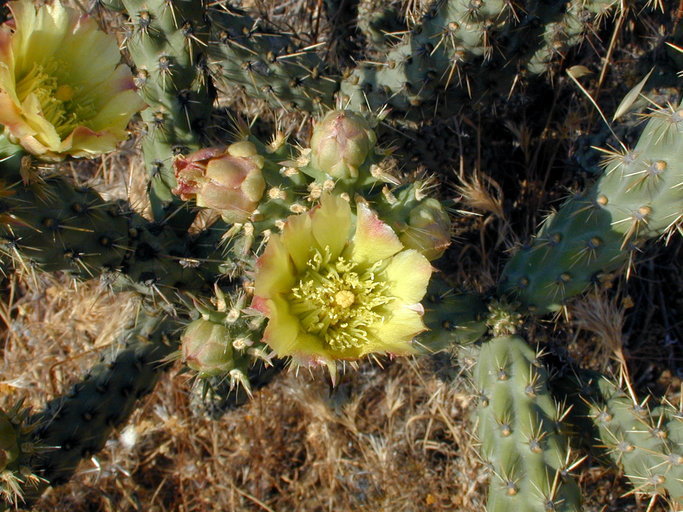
x=60 y=104
x=339 y=301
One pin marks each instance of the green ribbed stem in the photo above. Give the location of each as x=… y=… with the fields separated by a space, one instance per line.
x=520 y=431
x=168 y=44
x=638 y=198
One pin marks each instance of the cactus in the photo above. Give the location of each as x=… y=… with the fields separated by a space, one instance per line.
x=380 y=23
x=639 y=197
x=644 y=442
x=468 y=53
x=268 y=65
x=324 y=249
x=168 y=44
x=519 y=428
x=77 y=424
x=57 y=226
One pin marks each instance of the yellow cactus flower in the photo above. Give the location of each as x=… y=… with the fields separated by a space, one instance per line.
x=62 y=90
x=334 y=291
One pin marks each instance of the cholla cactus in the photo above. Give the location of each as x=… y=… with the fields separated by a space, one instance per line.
x=62 y=90
x=330 y=295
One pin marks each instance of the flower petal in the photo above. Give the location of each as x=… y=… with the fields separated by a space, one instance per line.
x=283 y=328
x=408 y=275
x=331 y=224
x=396 y=334
x=297 y=236
x=374 y=240
x=275 y=270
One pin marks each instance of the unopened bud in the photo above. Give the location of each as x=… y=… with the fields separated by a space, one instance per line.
x=228 y=180
x=341 y=142
x=206 y=348
x=428 y=230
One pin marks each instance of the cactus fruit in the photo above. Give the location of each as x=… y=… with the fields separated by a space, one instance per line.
x=520 y=430
x=639 y=197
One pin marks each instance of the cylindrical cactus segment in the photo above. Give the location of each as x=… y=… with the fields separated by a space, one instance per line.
x=520 y=430
x=61 y=227
x=15 y=447
x=646 y=443
x=580 y=17
x=451 y=317
x=639 y=197
x=429 y=58
x=77 y=424
x=268 y=65
x=50 y=223
x=168 y=44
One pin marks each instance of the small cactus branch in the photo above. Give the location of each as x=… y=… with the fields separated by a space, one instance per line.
x=168 y=43
x=52 y=224
x=76 y=425
x=520 y=430
x=268 y=65
x=646 y=443
x=639 y=197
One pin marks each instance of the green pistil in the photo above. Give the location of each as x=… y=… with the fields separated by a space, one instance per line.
x=339 y=301
x=61 y=104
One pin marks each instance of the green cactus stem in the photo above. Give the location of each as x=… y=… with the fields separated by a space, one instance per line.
x=50 y=224
x=168 y=44
x=77 y=424
x=520 y=430
x=639 y=197
x=645 y=442
x=268 y=65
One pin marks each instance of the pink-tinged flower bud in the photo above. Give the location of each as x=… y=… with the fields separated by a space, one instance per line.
x=428 y=230
x=341 y=142
x=207 y=349
x=228 y=180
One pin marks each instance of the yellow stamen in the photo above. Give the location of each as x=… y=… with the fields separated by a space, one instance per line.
x=339 y=301
x=60 y=104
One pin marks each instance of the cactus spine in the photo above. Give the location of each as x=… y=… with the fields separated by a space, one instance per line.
x=268 y=65
x=646 y=443
x=76 y=425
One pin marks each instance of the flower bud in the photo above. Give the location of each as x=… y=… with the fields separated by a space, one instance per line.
x=228 y=180
x=341 y=142
x=428 y=230
x=206 y=348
